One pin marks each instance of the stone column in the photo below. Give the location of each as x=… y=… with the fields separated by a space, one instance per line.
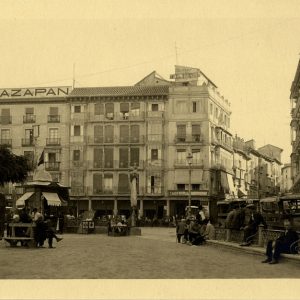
x=141 y=208
x=90 y=204
x=115 y=207
x=168 y=207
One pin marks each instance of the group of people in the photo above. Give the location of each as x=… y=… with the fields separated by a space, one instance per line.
x=285 y=243
x=194 y=231
x=44 y=229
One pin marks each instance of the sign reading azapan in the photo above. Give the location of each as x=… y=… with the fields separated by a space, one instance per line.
x=61 y=91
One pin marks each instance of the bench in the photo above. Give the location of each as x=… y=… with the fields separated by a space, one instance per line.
x=13 y=240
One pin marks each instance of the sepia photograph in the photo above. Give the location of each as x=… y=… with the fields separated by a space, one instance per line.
x=150 y=150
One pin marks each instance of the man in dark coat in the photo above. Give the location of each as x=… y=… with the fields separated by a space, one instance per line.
x=251 y=229
x=286 y=243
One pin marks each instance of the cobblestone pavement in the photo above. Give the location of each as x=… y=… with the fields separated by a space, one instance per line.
x=153 y=255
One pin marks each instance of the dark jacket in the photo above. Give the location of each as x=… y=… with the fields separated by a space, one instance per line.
x=256 y=221
x=288 y=239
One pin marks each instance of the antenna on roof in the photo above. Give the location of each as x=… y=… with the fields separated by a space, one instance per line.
x=176 y=53
x=73 y=75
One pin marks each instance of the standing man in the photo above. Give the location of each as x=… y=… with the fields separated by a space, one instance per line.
x=286 y=243
x=255 y=220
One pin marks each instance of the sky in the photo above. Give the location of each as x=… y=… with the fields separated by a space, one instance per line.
x=249 y=50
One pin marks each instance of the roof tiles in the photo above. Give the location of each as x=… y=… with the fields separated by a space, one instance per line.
x=120 y=91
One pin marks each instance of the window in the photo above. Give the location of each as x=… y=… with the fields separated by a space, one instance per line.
x=109 y=134
x=181 y=155
x=135 y=108
x=123 y=186
x=196 y=133
x=77 y=109
x=109 y=111
x=29 y=111
x=134 y=157
x=76 y=155
x=194 y=106
x=181 y=187
x=108 y=157
x=134 y=133
x=97 y=183
x=77 y=130
x=98 y=134
x=124 y=133
x=181 y=133
x=195 y=187
x=154 y=154
x=5 y=116
x=123 y=156
x=5 y=134
x=154 y=106
x=108 y=182
x=98 y=158
x=29 y=135
x=53 y=111
x=99 y=109
x=196 y=155
x=30 y=157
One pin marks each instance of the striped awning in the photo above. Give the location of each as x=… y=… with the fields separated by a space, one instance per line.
x=52 y=199
x=22 y=199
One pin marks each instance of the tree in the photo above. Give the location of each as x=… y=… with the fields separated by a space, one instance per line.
x=13 y=168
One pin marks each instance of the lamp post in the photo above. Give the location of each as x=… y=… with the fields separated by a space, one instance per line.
x=189 y=161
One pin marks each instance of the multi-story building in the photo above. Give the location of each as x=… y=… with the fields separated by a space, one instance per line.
x=286 y=178
x=295 y=130
x=175 y=134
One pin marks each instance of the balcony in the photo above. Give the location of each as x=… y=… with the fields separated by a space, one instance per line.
x=53 y=118
x=6 y=142
x=27 y=142
x=52 y=166
x=77 y=164
x=225 y=145
x=116 y=164
x=155 y=114
x=194 y=162
x=29 y=118
x=154 y=190
x=194 y=138
x=53 y=142
x=4 y=120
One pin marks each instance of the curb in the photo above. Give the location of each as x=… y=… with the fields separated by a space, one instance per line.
x=251 y=249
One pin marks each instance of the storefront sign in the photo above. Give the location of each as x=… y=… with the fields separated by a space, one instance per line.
x=186 y=193
x=35 y=92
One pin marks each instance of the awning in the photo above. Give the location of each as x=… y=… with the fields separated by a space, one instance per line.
x=22 y=199
x=182 y=176
x=241 y=192
x=52 y=199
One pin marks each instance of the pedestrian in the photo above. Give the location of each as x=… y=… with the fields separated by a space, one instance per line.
x=286 y=243
x=195 y=236
x=50 y=233
x=239 y=219
x=251 y=229
x=40 y=229
x=231 y=217
x=210 y=231
x=181 y=230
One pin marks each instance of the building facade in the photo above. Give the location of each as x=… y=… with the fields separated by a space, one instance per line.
x=92 y=140
x=295 y=130
x=286 y=179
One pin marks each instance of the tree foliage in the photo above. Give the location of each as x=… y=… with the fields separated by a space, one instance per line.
x=13 y=168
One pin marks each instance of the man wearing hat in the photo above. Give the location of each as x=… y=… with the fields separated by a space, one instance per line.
x=255 y=220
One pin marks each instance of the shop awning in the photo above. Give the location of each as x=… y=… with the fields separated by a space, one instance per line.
x=232 y=189
x=182 y=176
x=22 y=199
x=241 y=192
x=52 y=199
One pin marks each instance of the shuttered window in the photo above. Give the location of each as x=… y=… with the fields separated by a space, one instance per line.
x=98 y=134
x=97 y=183
x=135 y=105
x=124 y=107
x=108 y=183
x=109 y=134
x=181 y=130
x=98 y=158
x=124 y=133
x=29 y=110
x=76 y=155
x=134 y=157
x=123 y=154
x=99 y=109
x=53 y=111
x=108 y=157
x=134 y=133
x=123 y=186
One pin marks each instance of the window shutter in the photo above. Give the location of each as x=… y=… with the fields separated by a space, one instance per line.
x=195 y=129
x=109 y=108
x=135 y=156
x=181 y=130
x=29 y=110
x=124 y=107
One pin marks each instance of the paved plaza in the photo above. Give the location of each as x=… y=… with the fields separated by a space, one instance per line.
x=154 y=255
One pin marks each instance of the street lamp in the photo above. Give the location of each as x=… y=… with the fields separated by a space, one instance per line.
x=189 y=161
